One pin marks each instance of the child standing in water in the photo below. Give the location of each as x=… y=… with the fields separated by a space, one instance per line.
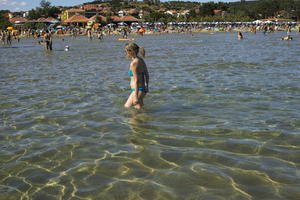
x=48 y=40
x=240 y=36
x=8 y=38
x=139 y=76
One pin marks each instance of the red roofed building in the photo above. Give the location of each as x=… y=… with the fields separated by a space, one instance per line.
x=171 y=12
x=129 y=19
x=15 y=14
x=115 y=18
x=277 y=20
x=79 y=20
x=163 y=9
x=41 y=20
x=71 y=12
x=45 y=20
x=50 y=19
x=106 y=11
x=18 y=20
x=219 y=12
x=134 y=12
x=75 y=10
x=93 y=19
x=92 y=9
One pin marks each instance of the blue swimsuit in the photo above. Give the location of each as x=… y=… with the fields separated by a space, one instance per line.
x=130 y=73
x=142 y=89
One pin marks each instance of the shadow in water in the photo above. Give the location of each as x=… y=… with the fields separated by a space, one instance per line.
x=138 y=120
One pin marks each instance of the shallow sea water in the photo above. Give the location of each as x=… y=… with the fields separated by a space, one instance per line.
x=221 y=120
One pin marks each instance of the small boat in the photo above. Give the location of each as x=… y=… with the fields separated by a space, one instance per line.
x=126 y=39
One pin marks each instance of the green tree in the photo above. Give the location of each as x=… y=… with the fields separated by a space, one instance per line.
x=45 y=4
x=159 y=17
x=207 y=9
x=108 y=19
x=4 y=21
x=116 y=5
x=98 y=19
x=46 y=10
x=32 y=14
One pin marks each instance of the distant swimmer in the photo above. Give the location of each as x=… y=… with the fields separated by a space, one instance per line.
x=240 y=36
x=100 y=34
x=67 y=48
x=142 y=31
x=288 y=33
x=3 y=37
x=124 y=33
x=48 y=40
x=139 y=76
x=89 y=34
x=8 y=38
x=287 y=38
x=265 y=29
x=17 y=37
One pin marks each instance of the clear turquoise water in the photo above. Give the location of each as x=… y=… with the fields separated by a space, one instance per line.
x=221 y=120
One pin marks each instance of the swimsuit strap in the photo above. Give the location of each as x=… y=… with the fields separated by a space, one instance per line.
x=142 y=89
x=130 y=73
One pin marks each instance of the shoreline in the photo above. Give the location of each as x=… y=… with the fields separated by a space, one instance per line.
x=175 y=32
x=134 y=33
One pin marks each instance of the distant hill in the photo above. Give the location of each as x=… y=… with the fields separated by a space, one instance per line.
x=253 y=9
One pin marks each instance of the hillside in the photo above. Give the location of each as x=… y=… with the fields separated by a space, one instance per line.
x=236 y=10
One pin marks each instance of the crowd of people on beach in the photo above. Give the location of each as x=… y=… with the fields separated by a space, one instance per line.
x=124 y=31
x=7 y=36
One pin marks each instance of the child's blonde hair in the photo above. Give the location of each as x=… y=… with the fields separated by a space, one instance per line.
x=134 y=47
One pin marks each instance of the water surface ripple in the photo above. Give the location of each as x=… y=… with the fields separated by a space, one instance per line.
x=221 y=120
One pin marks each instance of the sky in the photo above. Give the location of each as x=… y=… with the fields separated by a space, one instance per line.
x=24 y=5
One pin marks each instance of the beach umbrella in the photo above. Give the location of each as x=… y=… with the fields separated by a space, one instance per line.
x=122 y=24
x=268 y=22
x=257 y=21
x=182 y=23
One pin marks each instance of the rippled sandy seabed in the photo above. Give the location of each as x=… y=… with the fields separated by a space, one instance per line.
x=221 y=120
